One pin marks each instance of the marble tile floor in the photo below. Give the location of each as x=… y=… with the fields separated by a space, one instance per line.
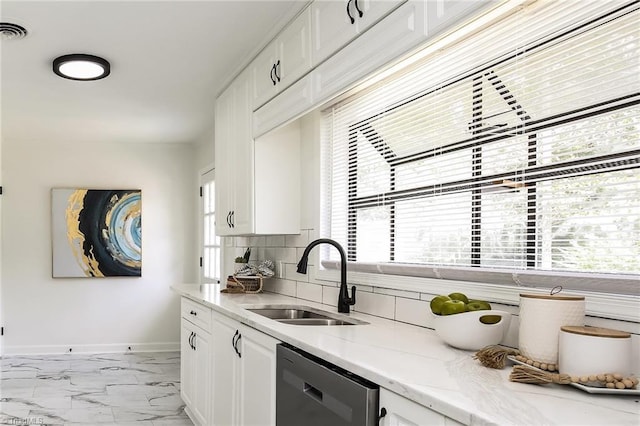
x=132 y=389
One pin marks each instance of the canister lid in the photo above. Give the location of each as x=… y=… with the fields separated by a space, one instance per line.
x=595 y=331
x=551 y=297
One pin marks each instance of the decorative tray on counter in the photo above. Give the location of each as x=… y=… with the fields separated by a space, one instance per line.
x=589 y=389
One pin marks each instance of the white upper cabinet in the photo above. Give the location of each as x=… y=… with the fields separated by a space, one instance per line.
x=327 y=49
x=283 y=61
x=257 y=182
x=336 y=23
x=234 y=160
x=399 y=32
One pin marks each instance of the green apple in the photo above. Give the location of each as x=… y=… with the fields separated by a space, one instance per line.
x=450 y=307
x=490 y=319
x=459 y=296
x=478 y=305
x=436 y=304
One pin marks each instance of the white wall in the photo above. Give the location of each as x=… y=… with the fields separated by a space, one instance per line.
x=42 y=314
x=204 y=150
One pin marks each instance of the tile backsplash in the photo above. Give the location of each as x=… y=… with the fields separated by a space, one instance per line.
x=397 y=305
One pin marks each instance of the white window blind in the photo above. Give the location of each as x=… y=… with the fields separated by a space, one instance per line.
x=509 y=156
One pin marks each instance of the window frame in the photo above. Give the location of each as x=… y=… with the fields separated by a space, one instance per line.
x=207 y=176
x=608 y=305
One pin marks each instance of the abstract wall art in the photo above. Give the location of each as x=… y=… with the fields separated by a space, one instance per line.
x=96 y=232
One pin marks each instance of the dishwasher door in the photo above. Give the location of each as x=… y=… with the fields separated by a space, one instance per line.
x=313 y=392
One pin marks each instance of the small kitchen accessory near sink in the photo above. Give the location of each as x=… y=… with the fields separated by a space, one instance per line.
x=467 y=331
x=541 y=317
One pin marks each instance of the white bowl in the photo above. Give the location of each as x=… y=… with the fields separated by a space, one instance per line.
x=465 y=331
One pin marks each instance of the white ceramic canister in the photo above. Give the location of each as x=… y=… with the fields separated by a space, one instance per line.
x=585 y=351
x=541 y=317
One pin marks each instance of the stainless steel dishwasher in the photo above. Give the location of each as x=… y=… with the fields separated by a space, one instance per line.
x=313 y=392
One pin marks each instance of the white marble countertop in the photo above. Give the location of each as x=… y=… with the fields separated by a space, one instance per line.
x=413 y=362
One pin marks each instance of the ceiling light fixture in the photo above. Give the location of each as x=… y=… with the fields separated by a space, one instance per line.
x=81 y=67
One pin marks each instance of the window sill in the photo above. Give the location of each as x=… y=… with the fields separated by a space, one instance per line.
x=604 y=305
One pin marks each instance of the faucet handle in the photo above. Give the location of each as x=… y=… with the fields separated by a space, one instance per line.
x=352 y=299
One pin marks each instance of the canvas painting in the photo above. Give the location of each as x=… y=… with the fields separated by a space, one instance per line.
x=96 y=232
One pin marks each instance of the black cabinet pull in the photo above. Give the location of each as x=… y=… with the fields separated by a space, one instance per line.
x=191 y=340
x=383 y=412
x=229 y=219
x=273 y=71
x=277 y=68
x=194 y=313
x=233 y=341
x=349 y=13
x=233 y=218
x=355 y=2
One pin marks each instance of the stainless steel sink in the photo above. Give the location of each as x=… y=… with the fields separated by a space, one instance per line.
x=302 y=315
x=318 y=321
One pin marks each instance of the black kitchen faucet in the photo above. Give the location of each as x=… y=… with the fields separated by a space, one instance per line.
x=344 y=301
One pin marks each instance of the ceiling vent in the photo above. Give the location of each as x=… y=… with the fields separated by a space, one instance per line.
x=9 y=31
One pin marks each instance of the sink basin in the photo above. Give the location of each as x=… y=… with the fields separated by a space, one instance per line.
x=302 y=315
x=317 y=321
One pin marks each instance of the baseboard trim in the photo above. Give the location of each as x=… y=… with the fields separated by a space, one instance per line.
x=90 y=348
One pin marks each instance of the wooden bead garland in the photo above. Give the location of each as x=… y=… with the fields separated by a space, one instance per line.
x=527 y=374
x=536 y=364
x=608 y=380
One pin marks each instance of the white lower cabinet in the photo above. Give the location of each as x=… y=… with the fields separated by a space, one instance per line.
x=399 y=411
x=244 y=388
x=228 y=376
x=195 y=364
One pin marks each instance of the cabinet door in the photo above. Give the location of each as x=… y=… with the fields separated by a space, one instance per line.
x=293 y=48
x=195 y=371
x=225 y=372
x=400 y=31
x=257 y=378
x=234 y=160
x=373 y=11
x=283 y=61
x=223 y=129
x=202 y=376
x=263 y=76
x=403 y=412
x=332 y=27
x=336 y=23
x=241 y=160
x=187 y=363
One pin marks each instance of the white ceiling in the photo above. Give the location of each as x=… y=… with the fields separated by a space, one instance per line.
x=169 y=60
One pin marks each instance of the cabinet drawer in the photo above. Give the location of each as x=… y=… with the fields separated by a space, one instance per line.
x=196 y=313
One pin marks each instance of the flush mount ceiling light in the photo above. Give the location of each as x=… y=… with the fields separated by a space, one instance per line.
x=81 y=67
